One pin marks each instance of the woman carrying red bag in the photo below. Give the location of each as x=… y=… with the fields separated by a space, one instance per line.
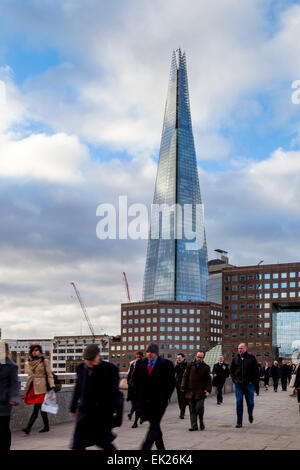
x=40 y=380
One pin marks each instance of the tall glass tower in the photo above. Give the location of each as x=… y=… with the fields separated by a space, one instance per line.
x=176 y=265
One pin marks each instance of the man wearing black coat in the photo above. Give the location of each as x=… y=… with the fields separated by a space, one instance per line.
x=9 y=394
x=180 y=366
x=275 y=374
x=94 y=401
x=154 y=380
x=244 y=373
x=285 y=370
x=220 y=374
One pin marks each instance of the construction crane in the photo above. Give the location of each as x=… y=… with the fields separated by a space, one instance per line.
x=127 y=287
x=84 y=309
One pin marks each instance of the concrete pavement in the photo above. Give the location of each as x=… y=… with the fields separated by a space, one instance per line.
x=276 y=426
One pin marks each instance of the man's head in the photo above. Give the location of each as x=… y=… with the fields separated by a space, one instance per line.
x=275 y=363
x=283 y=362
x=91 y=355
x=200 y=356
x=221 y=358
x=242 y=348
x=152 y=351
x=180 y=357
x=139 y=355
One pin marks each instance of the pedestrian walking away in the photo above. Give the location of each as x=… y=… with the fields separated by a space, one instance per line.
x=40 y=381
x=197 y=385
x=266 y=375
x=244 y=373
x=220 y=374
x=275 y=374
x=95 y=399
x=180 y=366
x=131 y=395
x=257 y=382
x=9 y=394
x=285 y=372
x=154 y=380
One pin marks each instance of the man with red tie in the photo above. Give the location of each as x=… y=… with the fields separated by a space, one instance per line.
x=154 y=381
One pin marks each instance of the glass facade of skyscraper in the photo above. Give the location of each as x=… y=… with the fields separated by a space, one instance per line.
x=286 y=335
x=176 y=264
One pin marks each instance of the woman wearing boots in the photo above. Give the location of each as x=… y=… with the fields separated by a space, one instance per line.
x=40 y=378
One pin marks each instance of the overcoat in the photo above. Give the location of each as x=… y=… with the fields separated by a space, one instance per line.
x=37 y=369
x=153 y=391
x=95 y=399
x=196 y=380
x=9 y=386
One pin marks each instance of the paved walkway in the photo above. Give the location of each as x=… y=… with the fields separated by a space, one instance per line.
x=276 y=426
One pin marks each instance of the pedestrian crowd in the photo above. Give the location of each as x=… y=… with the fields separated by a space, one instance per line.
x=97 y=402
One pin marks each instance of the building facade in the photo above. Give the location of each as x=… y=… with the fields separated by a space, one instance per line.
x=67 y=351
x=19 y=350
x=175 y=326
x=176 y=263
x=261 y=307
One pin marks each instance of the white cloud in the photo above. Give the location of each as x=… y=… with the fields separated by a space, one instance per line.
x=52 y=158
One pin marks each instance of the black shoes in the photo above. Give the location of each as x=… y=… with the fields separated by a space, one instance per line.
x=45 y=429
x=250 y=419
x=26 y=430
x=193 y=429
x=134 y=425
x=181 y=416
x=202 y=427
x=129 y=416
x=238 y=426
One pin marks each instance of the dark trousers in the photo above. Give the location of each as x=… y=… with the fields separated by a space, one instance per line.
x=256 y=386
x=5 y=440
x=284 y=383
x=298 y=395
x=275 y=383
x=37 y=407
x=242 y=391
x=181 y=400
x=196 y=409
x=154 y=435
x=220 y=393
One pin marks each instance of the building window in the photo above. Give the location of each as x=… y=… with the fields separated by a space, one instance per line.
x=162 y=320
x=292 y=294
x=170 y=310
x=267 y=325
x=275 y=285
x=154 y=310
x=292 y=274
x=283 y=275
x=283 y=295
x=267 y=276
x=275 y=275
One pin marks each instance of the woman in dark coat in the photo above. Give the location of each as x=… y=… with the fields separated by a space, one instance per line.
x=266 y=375
x=40 y=378
x=131 y=392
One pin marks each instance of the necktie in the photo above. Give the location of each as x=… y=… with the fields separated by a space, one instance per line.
x=150 y=368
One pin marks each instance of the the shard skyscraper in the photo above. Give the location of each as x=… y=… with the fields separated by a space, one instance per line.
x=176 y=267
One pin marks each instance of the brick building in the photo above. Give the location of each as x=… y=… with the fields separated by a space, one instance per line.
x=261 y=306
x=176 y=326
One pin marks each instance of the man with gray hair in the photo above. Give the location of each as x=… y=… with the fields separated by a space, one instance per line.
x=154 y=382
x=244 y=372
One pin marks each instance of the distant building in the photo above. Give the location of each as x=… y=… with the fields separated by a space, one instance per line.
x=214 y=281
x=261 y=307
x=19 y=350
x=175 y=326
x=68 y=351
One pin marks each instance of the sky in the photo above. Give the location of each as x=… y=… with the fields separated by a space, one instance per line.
x=83 y=85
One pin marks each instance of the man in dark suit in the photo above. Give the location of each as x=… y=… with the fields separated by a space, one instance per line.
x=95 y=399
x=196 y=384
x=154 y=380
x=275 y=374
x=180 y=366
x=220 y=374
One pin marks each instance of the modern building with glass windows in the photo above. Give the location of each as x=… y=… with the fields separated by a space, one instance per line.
x=176 y=264
x=261 y=307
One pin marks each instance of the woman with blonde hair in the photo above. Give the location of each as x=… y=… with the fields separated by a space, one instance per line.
x=40 y=380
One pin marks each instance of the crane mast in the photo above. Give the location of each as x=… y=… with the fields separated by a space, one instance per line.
x=127 y=287
x=83 y=309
